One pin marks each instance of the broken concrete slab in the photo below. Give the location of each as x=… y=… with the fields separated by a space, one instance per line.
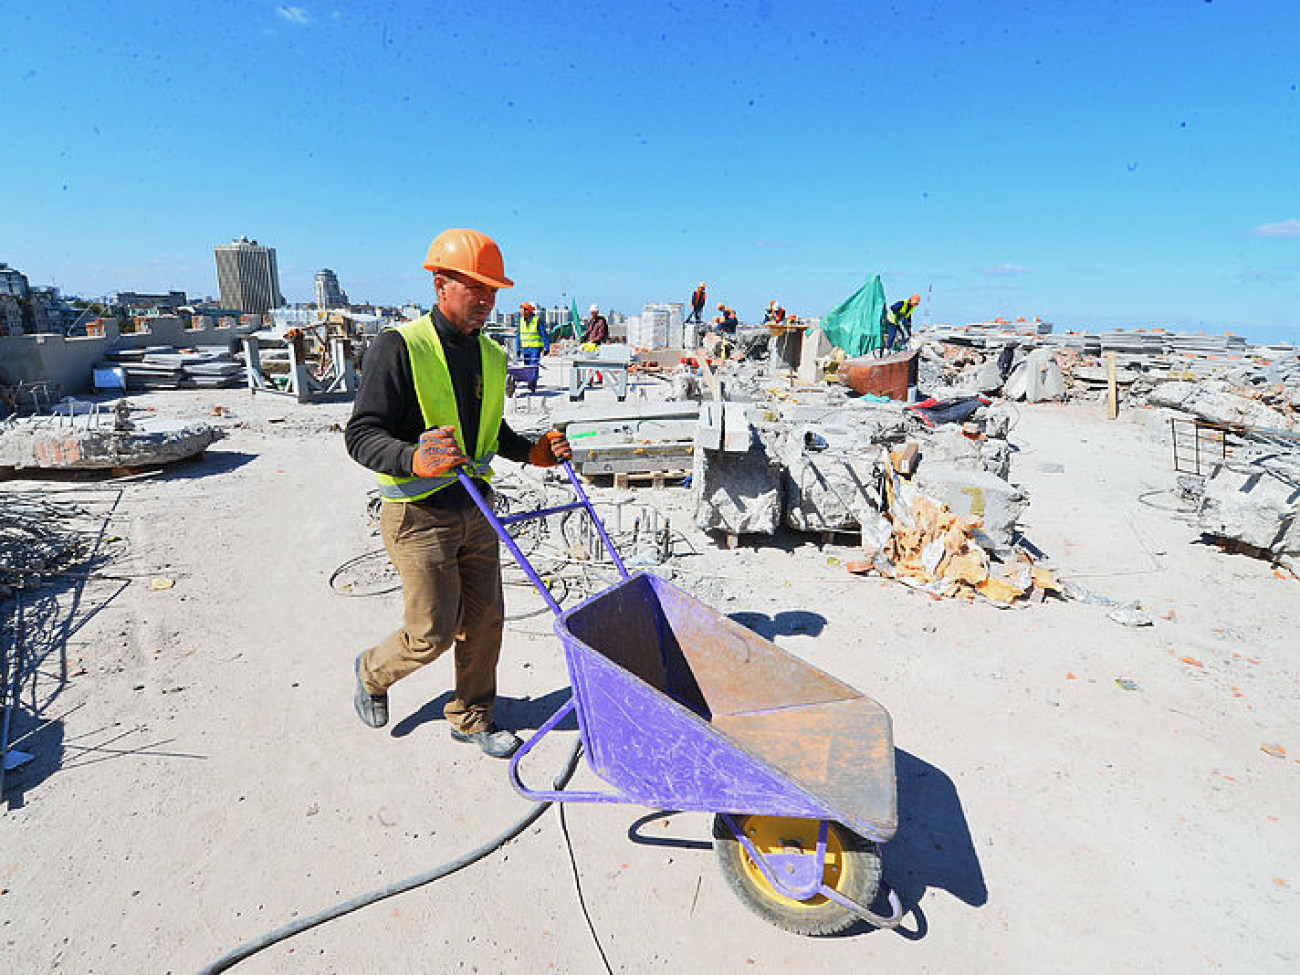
x=739 y=494
x=1217 y=406
x=82 y=443
x=1256 y=503
x=974 y=494
x=1036 y=378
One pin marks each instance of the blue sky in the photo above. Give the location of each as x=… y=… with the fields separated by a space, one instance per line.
x=1100 y=164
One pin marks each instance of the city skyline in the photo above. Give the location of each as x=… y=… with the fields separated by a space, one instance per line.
x=1102 y=165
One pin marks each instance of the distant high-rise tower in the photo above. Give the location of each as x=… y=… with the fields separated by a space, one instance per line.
x=328 y=292
x=247 y=276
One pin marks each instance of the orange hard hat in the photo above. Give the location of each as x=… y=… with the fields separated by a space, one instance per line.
x=721 y=306
x=470 y=253
x=527 y=306
x=914 y=300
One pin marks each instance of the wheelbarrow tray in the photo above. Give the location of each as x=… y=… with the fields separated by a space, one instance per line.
x=680 y=707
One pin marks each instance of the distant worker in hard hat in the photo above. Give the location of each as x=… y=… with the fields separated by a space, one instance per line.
x=774 y=314
x=533 y=340
x=726 y=325
x=898 y=322
x=597 y=330
x=698 y=297
x=432 y=400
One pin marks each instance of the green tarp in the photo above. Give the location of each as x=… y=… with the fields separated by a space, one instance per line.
x=573 y=327
x=856 y=324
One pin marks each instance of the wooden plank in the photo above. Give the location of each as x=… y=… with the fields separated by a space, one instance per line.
x=1112 y=389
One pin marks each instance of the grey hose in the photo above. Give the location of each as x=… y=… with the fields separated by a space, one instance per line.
x=249 y=948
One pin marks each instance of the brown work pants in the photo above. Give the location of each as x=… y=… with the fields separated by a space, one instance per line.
x=450 y=567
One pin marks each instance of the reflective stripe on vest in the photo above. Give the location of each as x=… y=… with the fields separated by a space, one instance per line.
x=413 y=488
x=437 y=398
x=530 y=333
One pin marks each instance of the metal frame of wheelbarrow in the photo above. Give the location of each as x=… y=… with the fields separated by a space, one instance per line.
x=664 y=746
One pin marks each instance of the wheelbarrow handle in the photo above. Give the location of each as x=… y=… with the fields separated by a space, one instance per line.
x=499 y=526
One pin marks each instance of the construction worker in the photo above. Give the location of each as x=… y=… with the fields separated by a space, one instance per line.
x=597 y=330
x=898 y=322
x=432 y=400
x=775 y=314
x=697 y=305
x=533 y=340
x=726 y=324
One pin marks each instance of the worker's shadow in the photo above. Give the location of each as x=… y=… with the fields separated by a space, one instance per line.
x=790 y=622
x=520 y=714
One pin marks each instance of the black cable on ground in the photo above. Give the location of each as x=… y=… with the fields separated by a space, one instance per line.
x=577 y=885
x=249 y=948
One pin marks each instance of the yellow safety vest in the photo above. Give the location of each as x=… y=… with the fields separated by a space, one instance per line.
x=530 y=333
x=437 y=401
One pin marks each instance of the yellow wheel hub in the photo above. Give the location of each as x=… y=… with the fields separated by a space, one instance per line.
x=772 y=834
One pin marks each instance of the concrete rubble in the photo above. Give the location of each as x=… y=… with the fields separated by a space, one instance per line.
x=1256 y=503
x=776 y=443
x=94 y=436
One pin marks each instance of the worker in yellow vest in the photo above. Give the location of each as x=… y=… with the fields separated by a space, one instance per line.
x=898 y=322
x=533 y=340
x=432 y=398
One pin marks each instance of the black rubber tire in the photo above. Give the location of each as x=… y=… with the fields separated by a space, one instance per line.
x=858 y=880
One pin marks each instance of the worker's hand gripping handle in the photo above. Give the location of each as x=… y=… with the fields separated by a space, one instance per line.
x=551 y=449
x=437 y=453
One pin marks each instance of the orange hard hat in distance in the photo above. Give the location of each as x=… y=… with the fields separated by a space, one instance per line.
x=914 y=300
x=721 y=306
x=527 y=306
x=470 y=253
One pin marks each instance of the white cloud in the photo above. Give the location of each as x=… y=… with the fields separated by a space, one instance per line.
x=1005 y=269
x=1283 y=228
x=295 y=15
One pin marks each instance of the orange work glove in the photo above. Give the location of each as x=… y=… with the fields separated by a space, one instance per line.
x=437 y=453
x=550 y=450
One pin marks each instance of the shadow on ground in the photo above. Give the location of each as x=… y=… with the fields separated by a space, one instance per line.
x=206 y=464
x=788 y=622
x=933 y=846
x=519 y=714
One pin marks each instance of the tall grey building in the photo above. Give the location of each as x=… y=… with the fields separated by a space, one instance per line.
x=247 y=276
x=328 y=292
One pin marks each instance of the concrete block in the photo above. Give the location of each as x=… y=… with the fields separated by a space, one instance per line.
x=737 y=493
x=736 y=432
x=1036 y=378
x=708 y=432
x=1258 y=504
x=814 y=346
x=974 y=494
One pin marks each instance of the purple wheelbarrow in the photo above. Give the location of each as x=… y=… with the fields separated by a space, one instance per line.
x=681 y=708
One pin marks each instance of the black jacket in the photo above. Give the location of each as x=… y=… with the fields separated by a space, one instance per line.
x=386 y=419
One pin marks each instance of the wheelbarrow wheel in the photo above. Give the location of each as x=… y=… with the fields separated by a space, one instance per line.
x=852 y=870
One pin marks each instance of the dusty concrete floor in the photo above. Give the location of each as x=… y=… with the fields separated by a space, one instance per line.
x=204 y=779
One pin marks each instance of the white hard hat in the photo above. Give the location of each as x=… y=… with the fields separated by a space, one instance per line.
x=593 y=308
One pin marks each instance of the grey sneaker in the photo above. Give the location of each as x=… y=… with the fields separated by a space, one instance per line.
x=494 y=741
x=372 y=709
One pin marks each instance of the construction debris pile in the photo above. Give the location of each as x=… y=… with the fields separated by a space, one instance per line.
x=774 y=441
x=1186 y=372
